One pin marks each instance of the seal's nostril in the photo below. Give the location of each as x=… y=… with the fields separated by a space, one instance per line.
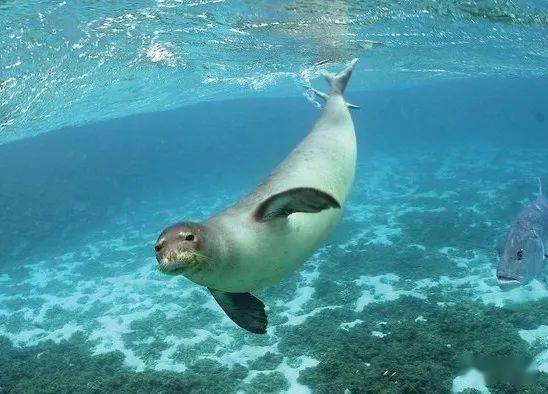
x=157 y=247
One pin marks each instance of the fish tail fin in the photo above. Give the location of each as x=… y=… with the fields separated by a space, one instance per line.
x=338 y=82
x=540 y=187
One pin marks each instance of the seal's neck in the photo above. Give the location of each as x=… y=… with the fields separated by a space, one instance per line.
x=215 y=243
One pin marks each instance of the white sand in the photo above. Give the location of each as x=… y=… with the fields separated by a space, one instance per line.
x=473 y=379
x=538 y=335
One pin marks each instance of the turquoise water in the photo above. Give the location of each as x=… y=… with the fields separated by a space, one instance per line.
x=118 y=119
x=66 y=63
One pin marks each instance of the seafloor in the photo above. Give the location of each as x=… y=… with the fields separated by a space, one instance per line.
x=401 y=300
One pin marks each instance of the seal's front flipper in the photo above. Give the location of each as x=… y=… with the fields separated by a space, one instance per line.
x=243 y=309
x=300 y=199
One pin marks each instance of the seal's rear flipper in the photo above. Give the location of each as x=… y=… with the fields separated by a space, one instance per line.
x=300 y=199
x=339 y=81
x=243 y=309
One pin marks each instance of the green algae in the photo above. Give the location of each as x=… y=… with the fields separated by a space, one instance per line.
x=415 y=355
x=69 y=367
x=268 y=361
x=273 y=382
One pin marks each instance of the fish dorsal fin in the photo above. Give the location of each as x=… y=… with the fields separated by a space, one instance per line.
x=300 y=199
x=243 y=309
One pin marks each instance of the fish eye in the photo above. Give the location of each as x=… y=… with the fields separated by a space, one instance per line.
x=189 y=237
x=520 y=254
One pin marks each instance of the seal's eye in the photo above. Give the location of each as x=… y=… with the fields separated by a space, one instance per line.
x=159 y=246
x=520 y=254
x=189 y=237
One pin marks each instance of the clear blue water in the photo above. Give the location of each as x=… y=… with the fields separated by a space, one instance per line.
x=117 y=120
x=65 y=64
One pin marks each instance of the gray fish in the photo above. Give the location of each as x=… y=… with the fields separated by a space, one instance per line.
x=525 y=252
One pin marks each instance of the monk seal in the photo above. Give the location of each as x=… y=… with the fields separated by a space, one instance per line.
x=273 y=230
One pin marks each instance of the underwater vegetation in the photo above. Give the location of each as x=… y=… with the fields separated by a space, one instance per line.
x=402 y=299
x=408 y=354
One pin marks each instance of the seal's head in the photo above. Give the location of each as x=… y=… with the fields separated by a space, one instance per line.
x=179 y=249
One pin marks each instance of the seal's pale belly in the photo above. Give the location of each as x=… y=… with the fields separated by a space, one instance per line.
x=285 y=249
x=265 y=252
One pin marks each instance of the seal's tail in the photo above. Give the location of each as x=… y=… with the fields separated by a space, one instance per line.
x=339 y=81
